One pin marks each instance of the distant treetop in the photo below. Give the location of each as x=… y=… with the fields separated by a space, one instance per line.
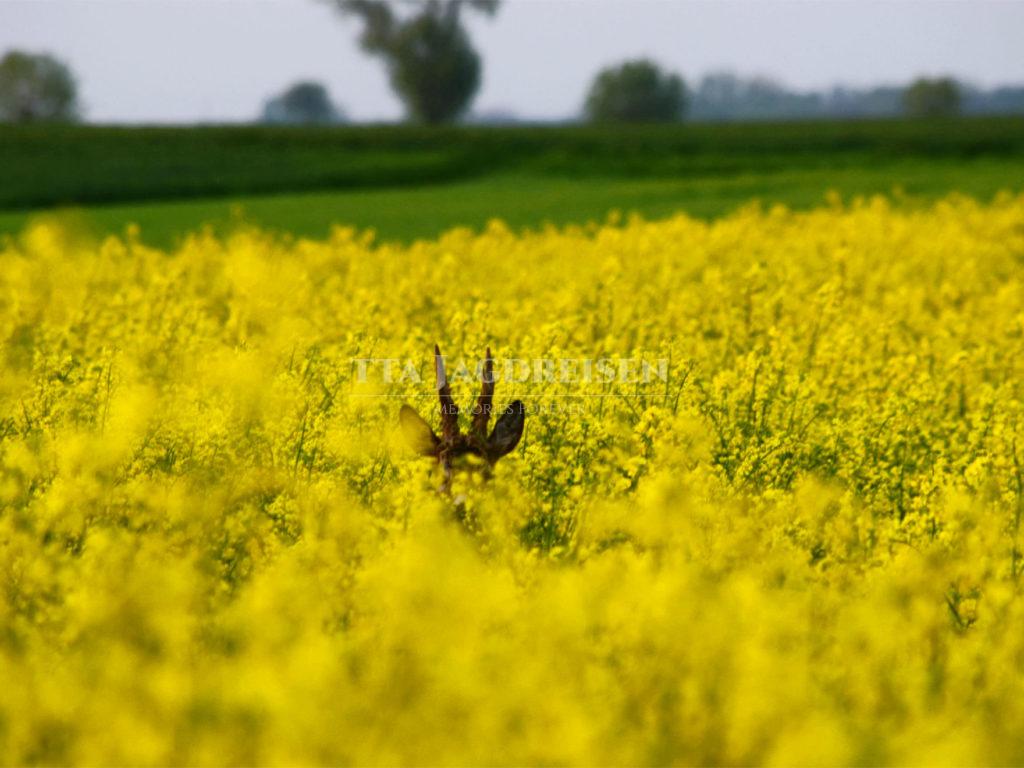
x=939 y=97
x=304 y=103
x=636 y=92
x=431 y=62
x=36 y=88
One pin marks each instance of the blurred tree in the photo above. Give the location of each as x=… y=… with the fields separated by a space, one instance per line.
x=726 y=96
x=932 y=98
x=1004 y=100
x=305 y=103
x=431 y=63
x=636 y=92
x=36 y=88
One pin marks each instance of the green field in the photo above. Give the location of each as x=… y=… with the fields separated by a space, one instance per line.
x=409 y=182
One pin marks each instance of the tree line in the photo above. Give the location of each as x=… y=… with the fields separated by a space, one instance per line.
x=435 y=71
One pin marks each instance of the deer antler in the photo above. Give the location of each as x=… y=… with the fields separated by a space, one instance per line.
x=482 y=411
x=449 y=410
x=452 y=443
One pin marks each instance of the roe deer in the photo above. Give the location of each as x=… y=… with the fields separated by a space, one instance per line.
x=452 y=443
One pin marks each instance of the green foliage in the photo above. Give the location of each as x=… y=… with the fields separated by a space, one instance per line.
x=36 y=88
x=636 y=92
x=304 y=103
x=408 y=213
x=432 y=65
x=932 y=98
x=61 y=165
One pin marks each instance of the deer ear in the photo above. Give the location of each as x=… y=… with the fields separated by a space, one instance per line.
x=507 y=431
x=418 y=434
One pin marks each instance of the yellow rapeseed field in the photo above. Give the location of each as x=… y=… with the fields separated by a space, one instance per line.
x=797 y=543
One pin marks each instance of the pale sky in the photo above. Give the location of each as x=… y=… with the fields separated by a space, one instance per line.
x=218 y=60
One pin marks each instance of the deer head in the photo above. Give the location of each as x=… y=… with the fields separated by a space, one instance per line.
x=453 y=443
